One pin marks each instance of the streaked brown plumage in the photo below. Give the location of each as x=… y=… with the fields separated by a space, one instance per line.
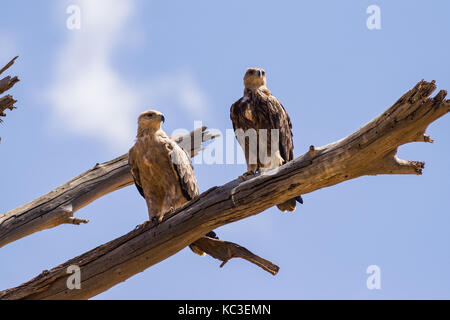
x=162 y=170
x=259 y=109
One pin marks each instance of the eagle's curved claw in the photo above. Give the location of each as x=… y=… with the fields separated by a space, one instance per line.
x=247 y=175
x=143 y=225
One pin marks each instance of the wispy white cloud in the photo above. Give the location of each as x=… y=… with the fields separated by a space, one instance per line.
x=90 y=97
x=179 y=87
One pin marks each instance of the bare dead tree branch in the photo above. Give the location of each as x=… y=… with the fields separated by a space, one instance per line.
x=7 y=102
x=8 y=65
x=225 y=251
x=369 y=151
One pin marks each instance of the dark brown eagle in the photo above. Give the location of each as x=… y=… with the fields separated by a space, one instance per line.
x=258 y=118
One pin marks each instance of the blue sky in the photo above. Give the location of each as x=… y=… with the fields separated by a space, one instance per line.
x=81 y=91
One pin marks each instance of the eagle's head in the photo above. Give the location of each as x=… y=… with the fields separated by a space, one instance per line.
x=150 y=119
x=255 y=78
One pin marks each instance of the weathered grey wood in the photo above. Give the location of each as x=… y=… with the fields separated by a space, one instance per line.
x=369 y=151
x=59 y=205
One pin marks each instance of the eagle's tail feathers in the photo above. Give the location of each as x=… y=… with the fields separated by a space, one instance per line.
x=289 y=205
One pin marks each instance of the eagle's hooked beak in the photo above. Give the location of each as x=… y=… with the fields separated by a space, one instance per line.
x=162 y=118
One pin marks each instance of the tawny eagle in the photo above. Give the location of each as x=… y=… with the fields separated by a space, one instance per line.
x=259 y=112
x=161 y=169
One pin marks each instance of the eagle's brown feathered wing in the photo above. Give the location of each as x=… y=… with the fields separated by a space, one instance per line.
x=185 y=171
x=135 y=171
x=285 y=126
